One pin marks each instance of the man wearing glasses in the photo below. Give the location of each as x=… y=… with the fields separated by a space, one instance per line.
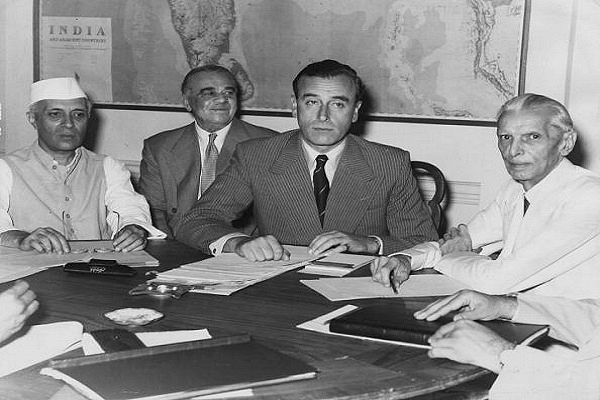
x=179 y=165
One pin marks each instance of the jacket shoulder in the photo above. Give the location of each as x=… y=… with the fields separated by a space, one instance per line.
x=167 y=138
x=255 y=131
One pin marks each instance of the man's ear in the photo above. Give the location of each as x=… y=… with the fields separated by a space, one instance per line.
x=31 y=118
x=186 y=103
x=294 y=107
x=568 y=143
x=355 y=113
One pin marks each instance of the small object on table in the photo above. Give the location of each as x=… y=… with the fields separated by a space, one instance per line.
x=160 y=289
x=134 y=316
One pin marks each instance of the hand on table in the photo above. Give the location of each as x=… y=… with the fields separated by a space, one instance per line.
x=16 y=305
x=45 y=240
x=130 y=238
x=471 y=305
x=337 y=242
x=382 y=266
x=457 y=239
x=468 y=342
x=262 y=248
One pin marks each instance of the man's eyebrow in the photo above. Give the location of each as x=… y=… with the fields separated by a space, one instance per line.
x=342 y=98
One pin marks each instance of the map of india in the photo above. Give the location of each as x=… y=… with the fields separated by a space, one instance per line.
x=455 y=59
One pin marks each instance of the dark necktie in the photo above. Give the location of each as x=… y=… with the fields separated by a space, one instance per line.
x=209 y=166
x=321 y=186
x=525 y=205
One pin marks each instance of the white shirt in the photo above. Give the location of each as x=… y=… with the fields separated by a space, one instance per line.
x=553 y=250
x=119 y=191
x=531 y=374
x=203 y=139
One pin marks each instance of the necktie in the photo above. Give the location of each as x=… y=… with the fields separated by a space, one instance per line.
x=525 y=205
x=321 y=185
x=209 y=166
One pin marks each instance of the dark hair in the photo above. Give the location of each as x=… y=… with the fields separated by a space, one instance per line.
x=205 y=68
x=559 y=116
x=330 y=69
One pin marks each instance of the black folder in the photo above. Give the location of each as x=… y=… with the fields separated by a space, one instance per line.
x=396 y=322
x=180 y=370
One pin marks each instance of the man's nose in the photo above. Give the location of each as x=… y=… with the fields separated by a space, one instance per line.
x=515 y=148
x=68 y=121
x=324 y=113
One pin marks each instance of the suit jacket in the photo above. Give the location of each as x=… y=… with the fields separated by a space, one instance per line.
x=171 y=165
x=373 y=193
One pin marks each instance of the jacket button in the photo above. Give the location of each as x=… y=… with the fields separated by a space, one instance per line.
x=173 y=210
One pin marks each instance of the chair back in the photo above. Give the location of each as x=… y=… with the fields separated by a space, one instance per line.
x=432 y=199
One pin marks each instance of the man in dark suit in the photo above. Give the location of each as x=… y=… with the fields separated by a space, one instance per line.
x=178 y=165
x=317 y=186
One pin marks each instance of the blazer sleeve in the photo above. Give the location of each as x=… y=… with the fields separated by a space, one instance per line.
x=151 y=186
x=222 y=203
x=408 y=220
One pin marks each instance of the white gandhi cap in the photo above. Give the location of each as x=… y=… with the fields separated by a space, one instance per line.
x=56 y=89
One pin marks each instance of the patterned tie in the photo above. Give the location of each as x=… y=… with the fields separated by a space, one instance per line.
x=209 y=166
x=525 y=205
x=321 y=186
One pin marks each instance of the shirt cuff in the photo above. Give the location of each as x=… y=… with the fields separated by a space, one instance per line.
x=424 y=255
x=216 y=247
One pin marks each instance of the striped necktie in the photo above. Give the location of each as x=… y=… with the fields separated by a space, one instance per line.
x=209 y=166
x=321 y=186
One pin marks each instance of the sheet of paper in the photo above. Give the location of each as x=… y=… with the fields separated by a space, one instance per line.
x=17 y=264
x=91 y=346
x=228 y=272
x=336 y=289
x=339 y=264
x=39 y=343
x=321 y=325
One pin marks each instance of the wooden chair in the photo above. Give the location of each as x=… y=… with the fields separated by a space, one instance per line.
x=433 y=201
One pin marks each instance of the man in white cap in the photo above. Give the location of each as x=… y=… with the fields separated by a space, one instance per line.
x=55 y=190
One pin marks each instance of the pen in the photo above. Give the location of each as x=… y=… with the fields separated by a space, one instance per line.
x=392 y=284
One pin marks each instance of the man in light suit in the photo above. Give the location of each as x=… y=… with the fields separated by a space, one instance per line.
x=360 y=197
x=177 y=163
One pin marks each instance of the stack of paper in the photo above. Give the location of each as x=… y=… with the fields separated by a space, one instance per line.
x=339 y=264
x=227 y=273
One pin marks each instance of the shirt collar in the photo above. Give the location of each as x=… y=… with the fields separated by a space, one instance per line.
x=219 y=140
x=559 y=176
x=49 y=161
x=333 y=155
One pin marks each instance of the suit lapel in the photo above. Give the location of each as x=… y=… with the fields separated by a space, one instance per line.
x=292 y=187
x=184 y=163
x=237 y=133
x=351 y=190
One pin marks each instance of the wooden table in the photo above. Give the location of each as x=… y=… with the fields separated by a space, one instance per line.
x=268 y=311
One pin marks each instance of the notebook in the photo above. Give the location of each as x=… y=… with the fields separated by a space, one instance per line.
x=179 y=370
x=396 y=322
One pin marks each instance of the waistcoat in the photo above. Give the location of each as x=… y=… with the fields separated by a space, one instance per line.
x=69 y=199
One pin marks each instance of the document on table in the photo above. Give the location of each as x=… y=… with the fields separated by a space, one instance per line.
x=39 y=343
x=339 y=264
x=227 y=273
x=336 y=289
x=16 y=264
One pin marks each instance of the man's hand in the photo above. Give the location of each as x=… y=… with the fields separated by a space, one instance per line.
x=457 y=239
x=341 y=241
x=471 y=305
x=43 y=240
x=381 y=267
x=469 y=342
x=262 y=248
x=130 y=238
x=16 y=305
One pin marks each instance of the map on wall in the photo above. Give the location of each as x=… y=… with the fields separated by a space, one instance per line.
x=457 y=59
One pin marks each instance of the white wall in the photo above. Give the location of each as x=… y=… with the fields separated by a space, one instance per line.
x=563 y=62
